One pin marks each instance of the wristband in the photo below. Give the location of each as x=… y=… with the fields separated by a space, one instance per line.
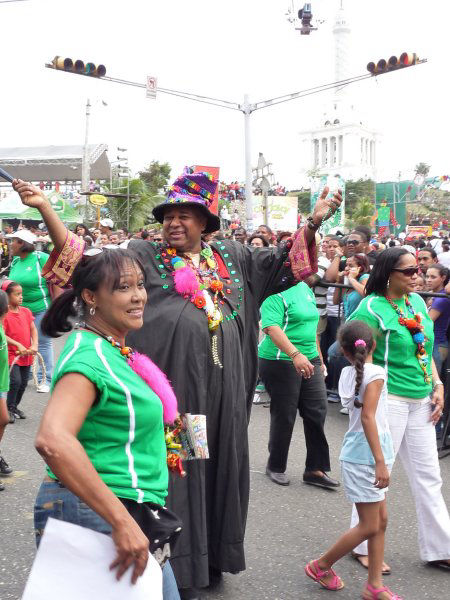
x=311 y=225
x=438 y=382
x=292 y=355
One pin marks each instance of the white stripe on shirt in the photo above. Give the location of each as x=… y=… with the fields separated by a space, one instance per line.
x=131 y=470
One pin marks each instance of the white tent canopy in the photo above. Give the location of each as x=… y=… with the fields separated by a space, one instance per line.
x=55 y=163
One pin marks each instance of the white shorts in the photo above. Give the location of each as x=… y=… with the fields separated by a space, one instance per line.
x=359 y=482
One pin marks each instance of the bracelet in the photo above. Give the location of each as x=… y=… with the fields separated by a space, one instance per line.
x=292 y=355
x=311 y=225
x=438 y=382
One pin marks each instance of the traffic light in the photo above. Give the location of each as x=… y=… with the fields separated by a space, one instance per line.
x=395 y=62
x=77 y=66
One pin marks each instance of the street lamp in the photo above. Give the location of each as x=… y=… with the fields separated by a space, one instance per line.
x=86 y=167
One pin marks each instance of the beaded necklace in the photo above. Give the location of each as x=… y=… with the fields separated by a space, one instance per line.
x=415 y=328
x=194 y=282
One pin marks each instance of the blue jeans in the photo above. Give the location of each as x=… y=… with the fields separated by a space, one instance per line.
x=45 y=347
x=440 y=353
x=58 y=502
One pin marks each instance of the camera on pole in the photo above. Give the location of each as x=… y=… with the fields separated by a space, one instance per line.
x=305 y=16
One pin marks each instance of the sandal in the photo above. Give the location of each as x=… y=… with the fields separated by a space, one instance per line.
x=371 y=593
x=358 y=557
x=317 y=574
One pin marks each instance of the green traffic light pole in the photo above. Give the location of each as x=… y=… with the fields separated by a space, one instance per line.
x=246 y=107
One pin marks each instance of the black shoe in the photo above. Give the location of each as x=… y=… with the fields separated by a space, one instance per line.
x=189 y=594
x=320 y=480
x=19 y=414
x=12 y=418
x=5 y=469
x=280 y=478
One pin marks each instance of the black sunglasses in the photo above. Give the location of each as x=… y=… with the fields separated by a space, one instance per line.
x=409 y=272
x=353 y=242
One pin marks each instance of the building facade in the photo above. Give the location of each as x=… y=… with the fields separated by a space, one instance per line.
x=341 y=143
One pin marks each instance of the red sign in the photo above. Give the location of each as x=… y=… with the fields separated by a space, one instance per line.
x=214 y=171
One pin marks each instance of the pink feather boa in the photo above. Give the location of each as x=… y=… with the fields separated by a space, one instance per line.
x=158 y=382
x=185 y=281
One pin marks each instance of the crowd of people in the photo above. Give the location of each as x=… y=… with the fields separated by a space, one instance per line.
x=337 y=318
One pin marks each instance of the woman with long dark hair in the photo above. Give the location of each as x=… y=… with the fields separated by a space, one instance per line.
x=102 y=432
x=404 y=338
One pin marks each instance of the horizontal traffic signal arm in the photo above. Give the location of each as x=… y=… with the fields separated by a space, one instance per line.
x=77 y=66
x=405 y=59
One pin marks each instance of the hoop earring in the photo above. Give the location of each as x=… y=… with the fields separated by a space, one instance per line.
x=92 y=311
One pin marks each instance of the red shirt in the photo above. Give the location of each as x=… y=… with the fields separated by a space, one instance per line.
x=17 y=326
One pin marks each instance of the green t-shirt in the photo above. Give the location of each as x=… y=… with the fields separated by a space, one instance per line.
x=4 y=367
x=27 y=272
x=396 y=350
x=123 y=433
x=295 y=312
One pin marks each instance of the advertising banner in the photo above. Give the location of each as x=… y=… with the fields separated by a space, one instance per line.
x=420 y=230
x=283 y=212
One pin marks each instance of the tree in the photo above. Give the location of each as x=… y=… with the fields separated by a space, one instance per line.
x=141 y=204
x=422 y=169
x=362 y=213
x=156 y=177
x=304 y=200
x=355 y=192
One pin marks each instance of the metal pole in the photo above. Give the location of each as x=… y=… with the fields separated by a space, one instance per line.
x=246 y=109
x=128 y=199
x=266 y=208
x=85 y=169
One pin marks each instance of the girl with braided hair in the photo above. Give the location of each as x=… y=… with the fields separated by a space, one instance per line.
x=366 y=459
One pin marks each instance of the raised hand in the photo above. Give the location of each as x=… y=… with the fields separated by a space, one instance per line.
x=323 y=206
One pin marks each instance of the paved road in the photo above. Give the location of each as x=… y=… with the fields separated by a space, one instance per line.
x=286 y=526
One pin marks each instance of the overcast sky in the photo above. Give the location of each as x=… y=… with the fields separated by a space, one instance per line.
x=221 y=49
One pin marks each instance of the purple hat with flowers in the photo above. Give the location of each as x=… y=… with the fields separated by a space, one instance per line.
x=192 y=189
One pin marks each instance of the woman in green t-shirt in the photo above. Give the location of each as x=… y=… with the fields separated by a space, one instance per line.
x=26 y=269
x=404 y=336
x=291 y=368
x=102 y=433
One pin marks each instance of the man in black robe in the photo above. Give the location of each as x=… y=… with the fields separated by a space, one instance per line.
x=212 y=500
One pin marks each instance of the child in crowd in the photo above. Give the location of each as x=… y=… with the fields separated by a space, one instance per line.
x=366 y=458
x=22 y=338
x=5 y=469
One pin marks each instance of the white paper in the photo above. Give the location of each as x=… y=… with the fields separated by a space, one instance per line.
x=72 y=563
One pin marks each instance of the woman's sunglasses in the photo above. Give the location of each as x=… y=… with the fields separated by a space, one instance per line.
x=409 y=272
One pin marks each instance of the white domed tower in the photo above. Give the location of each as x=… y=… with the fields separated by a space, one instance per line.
x=341 y=143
